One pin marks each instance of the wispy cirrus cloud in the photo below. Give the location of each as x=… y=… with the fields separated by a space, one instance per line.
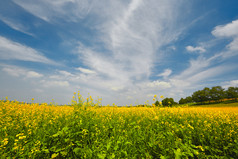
x=85 y=70
x=69 y=10
x=10 y=50
x=132 y=39
x=166 y=73
x=15 y=25
x=20 y=72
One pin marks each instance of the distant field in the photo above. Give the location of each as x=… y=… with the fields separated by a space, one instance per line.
x=44 y=131
x=219 y=105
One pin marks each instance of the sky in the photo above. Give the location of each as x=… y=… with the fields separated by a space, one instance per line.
x=124 y=51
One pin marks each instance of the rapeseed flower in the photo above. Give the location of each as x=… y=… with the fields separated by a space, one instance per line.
x=5 y=141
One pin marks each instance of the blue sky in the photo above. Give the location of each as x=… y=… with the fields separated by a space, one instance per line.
x=121 y=51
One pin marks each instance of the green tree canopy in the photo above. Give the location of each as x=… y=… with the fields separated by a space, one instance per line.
x=232 y=92
x=217 y=93
x=168 y=102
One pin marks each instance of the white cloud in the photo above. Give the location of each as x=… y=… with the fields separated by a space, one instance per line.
x=172 y=48
x=33 y=74
x=166 y=73
x=117 y=88
x=197 y=75
x=84 y=70
x=208 y=73
x=15 y=25
x=54 y=83
x=132 y=36
x=228 y=30
x=13 y=71
x=69 y=10
x=233 y=45
x=10 y=50
x=65 y=73
x=159 y=84
x=195 y=49
x=18 y=71
x=131 y=33
x=233 y=83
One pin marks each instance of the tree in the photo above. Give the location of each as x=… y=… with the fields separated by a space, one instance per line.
x=168 y=102
x=207 y=94
x=199 y=96
x=232 y=92
x=189 y=99
x=157 y=103
x=217 y=93
x=182 y=101
x=186 y=100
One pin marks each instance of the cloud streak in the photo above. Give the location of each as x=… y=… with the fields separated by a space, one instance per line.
x=10 y=50
x=69 y=10
x=195 y=49
x=15 y=25
x=20 y=72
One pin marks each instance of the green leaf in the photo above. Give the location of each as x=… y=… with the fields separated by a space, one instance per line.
x=128 y=143
x=46 y=150
x=65 y=129
x=63 y=153
x=66 y=140
x=116 y=147
x=113 y=155
x=125 y=153
x=77 y=151
x=163 y=157
x=102 y=156
x=108 y=146
x=178 y=153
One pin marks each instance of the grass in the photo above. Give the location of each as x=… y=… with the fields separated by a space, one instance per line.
x=85 y=131
x=234 y=104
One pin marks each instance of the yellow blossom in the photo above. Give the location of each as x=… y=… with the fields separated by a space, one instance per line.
x=5 y=141
x=156 y=117
x=54 y=155
x=22 y=137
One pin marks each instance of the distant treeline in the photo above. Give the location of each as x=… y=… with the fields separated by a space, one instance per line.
x=211 y=95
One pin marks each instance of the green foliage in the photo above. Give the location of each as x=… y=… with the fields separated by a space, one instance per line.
x=215 y=94
x=168 y=102
x=232 y=92
x=157 y=103
x=186 y=100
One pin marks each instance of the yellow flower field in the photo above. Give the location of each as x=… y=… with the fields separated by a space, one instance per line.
x=47 y=131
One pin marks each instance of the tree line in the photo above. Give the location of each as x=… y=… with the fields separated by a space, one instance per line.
x=207 y=95
x=211 y=95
